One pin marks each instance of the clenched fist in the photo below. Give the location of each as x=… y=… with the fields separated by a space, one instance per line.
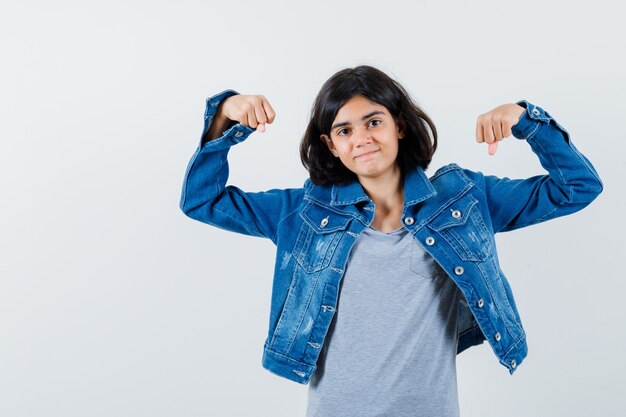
x=250 y=110
x=495 y=125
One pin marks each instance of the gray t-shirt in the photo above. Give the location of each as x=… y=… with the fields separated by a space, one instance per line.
x=391 y=348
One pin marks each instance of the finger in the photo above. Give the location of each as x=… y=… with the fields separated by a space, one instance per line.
x=497 y=130
x=269 y=110
x=479 y=131
x=493 y=147
x=506 y=130
x=251 y=118
x=261 y=127
x=259 y=112
x=488 y=132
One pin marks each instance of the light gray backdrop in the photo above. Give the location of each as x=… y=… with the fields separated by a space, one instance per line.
x=113 y=303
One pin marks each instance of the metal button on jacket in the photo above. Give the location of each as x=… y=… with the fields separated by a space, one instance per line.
x=513 y=363
x=456 y=214
x=238 y=134
x=459 y=270
x=498 y=337
x=536 y=112
x=324 y=222
x=409 y=220
x=430 y=240
x=481 y=303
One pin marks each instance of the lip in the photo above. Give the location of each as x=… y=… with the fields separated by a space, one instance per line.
x=366 y=154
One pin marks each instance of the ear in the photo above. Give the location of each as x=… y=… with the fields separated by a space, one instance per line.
x=331 y=146
x=401 y=126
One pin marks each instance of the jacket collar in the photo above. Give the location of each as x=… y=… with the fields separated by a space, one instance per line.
x=417 y=188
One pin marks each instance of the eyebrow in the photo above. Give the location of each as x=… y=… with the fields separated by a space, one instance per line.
x=367 y=116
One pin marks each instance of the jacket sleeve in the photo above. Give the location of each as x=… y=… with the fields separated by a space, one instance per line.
x=570 y=184
x=206 y=197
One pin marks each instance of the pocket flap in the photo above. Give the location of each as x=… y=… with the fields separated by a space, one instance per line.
x=455 y=214
x=323 y=220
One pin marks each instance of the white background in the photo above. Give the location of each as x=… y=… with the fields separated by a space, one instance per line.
x=113 y=303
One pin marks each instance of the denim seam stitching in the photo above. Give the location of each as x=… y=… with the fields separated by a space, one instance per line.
x=275 y=238
x=506 y=298
x=444 y=169
x=457 y=197
x=288 y=358
x=494 y=298
x=517 y=342
x=294 y=334
x=187 y=171
x=323 y=204
x=532 y=132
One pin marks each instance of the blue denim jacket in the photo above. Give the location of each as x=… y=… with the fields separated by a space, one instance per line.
x=454 y=215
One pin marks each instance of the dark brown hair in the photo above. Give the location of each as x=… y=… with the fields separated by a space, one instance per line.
x=416 y=149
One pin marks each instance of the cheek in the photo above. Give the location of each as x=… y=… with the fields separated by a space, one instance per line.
x=342 y=148
x=346 y=161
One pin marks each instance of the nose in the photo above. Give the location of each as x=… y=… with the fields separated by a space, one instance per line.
x=361 y=137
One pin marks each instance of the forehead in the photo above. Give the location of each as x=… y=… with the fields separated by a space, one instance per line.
x=357 y=107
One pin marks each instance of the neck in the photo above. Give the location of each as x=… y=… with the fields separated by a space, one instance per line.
x=386 y=192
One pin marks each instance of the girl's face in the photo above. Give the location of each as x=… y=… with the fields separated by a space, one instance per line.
x=364 y=136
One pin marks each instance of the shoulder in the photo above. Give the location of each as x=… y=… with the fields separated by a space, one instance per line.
x=453 y=173
x=454 y=180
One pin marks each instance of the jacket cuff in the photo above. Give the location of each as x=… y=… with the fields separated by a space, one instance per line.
x=235 y=132
x=531 y=120
x=213 y=102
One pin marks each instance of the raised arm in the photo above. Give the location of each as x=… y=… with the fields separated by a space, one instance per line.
x=570 y=184
x=229 y=119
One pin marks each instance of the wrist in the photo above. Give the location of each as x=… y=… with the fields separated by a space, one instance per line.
x=219 y=124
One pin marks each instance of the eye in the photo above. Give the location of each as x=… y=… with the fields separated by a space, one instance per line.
x=339 y=132
x=375 y=122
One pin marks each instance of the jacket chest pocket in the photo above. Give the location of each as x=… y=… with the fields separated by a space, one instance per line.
x=461 y=225
x=318 y=237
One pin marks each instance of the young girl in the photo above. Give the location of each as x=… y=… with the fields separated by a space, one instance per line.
x=383 y=275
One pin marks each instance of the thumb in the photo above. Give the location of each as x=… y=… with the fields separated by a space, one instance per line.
x=493 y=147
